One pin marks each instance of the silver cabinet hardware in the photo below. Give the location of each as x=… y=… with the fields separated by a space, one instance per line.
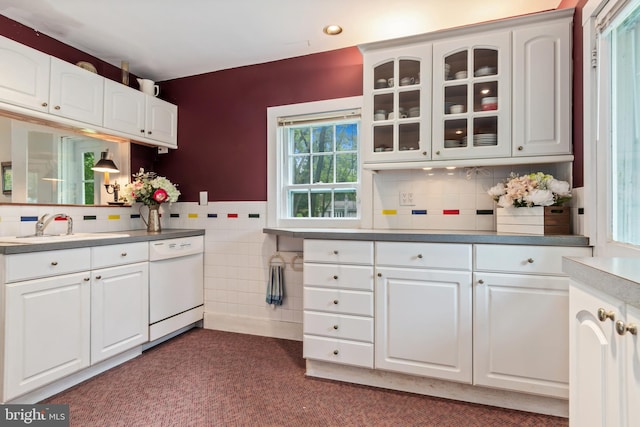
x=481 y=282
x=335 y=302
x=530 y=260
x=54 y=263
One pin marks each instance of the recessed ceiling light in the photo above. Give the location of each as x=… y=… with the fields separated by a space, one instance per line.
x=332 y=30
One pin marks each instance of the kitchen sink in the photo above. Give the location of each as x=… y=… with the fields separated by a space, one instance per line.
x=50 y=238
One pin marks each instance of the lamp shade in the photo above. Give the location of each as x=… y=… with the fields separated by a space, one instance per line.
x=105 y=164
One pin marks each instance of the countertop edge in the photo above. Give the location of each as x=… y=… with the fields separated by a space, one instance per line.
x=134 y=236
x=427 y=236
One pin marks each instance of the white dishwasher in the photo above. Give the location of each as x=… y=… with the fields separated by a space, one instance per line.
x=176 y=284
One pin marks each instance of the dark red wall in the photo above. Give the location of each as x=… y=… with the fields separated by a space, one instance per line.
x=222 y=126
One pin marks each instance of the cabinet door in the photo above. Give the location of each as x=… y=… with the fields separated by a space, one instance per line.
x=595 y=393
x=472 y=97
x=632 y=377
x=423 y=323
x=76 y=93
x=521 y=339
x=542 y=89
x=124 y=108
x=24 y=80
x=161 y=121
x=397 y=109
x=47 y=331
x=119 y=309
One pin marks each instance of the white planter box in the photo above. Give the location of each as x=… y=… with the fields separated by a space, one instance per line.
x=536 y=220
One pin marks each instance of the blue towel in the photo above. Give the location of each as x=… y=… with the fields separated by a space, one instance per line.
x=275 y=285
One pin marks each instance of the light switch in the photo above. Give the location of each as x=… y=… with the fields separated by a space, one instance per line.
x=204 y=198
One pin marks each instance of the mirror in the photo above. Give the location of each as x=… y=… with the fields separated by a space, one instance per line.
x=45 y=165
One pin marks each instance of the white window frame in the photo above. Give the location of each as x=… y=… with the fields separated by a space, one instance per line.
x=597 y=156
x=276 y=217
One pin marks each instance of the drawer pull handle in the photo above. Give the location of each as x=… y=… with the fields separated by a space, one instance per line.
x=335 y=302
x=604 y=315
x=98 y=277
x=335 y=277
x=419 y=256
x=481 y=282
x=530 y=260
x=123 y=254
x=335 y=252
x=335 y=352
x=54 y=263
x=335 y=327
x=622 y=329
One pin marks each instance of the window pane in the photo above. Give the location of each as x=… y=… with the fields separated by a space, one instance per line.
x=345 y=204
x=347 y=167
x=300 y=170
x=625 y=142
x=323 y=169
x=321 y=204
x=322 y=139
x=347 y=137
x=299 y=138
x=299 y=203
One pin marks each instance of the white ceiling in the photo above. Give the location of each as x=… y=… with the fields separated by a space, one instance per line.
x=166 y=39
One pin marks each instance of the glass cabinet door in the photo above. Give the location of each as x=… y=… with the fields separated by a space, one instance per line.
x=471 y=99
x=399 y=115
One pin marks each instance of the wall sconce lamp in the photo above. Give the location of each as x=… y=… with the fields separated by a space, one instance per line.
x=106 y=165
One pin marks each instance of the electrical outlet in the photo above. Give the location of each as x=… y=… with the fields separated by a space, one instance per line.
x=406 y=198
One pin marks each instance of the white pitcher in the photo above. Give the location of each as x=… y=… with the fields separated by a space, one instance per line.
x=149 y=87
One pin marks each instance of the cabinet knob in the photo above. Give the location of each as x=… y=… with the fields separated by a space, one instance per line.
x=335 y=327
x=520 y=148
x=438 y=152
x=54 y=263
x=335 y=252
x=622 y=329
x=98 y=277
x=424 y=153
x=123 y=254
x=335 y=277
x=141 y=130
x=604 y=315
x=57 y=107
x=481 y=282
x=149 y=132
x=379 y=274
x=335 y=302
x=530 y=260
x=44 y=104
x=335 y=352
x=419 y=256
x=86 y=279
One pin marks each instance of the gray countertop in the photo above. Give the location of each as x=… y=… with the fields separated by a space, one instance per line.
x=434 y=236
x=133 y=236
x=618 y=277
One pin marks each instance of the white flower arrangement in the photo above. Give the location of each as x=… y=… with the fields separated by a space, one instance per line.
x=534 y=189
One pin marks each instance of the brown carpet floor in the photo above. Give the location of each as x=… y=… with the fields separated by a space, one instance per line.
x=213 y=378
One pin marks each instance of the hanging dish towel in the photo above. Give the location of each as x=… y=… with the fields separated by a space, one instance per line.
x=275 y=285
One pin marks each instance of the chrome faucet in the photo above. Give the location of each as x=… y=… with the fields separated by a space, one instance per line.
x=46 y=219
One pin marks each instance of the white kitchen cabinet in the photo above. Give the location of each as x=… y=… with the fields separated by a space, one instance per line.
x=161 y=122
x=542 y=89
x=124 y=108
x=424 y=315
x=338 y=302
x=472 y=97
x=521 y=303
x=76 y=93
x=397 y=111
x=632 y=364
x=47 y=331
x=24 y=80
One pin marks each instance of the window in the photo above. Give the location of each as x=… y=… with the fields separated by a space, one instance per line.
x=616 y=155
x=314 y=164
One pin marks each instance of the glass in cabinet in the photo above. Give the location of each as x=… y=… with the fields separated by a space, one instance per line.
x=396 y=115
x=471 y=101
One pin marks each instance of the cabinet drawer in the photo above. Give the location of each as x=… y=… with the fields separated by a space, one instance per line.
x=338 y=326
x=338 y=351
x=338 y=251
x=112 y=255
x=49 y=263
x=424 y=255
x=338 y=301
x=339 y=276
x=525 y=259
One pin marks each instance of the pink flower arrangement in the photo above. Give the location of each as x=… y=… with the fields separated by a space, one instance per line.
x=149 y=189
x=534 y=189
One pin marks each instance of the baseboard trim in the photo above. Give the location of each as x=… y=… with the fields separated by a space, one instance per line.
x=439 y=388
x=253 y=326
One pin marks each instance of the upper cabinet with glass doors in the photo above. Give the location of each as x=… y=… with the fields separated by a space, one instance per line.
x=396 y=108
x=472 y=97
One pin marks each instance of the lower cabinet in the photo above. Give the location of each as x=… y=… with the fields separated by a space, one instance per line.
x=119 y=309
x=47 y=331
